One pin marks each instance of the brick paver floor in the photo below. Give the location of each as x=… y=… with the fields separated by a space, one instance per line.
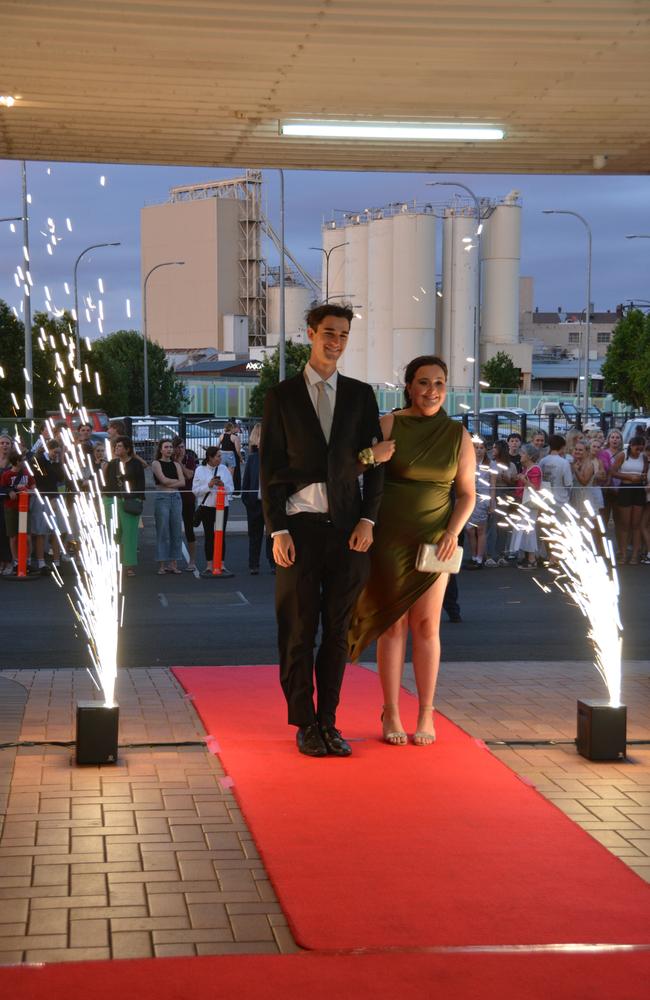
x=151 y=856
x=147 y=857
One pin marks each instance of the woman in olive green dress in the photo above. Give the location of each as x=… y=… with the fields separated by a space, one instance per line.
x=431 y=452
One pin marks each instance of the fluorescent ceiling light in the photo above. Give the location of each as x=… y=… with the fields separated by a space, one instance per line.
x=448 y=132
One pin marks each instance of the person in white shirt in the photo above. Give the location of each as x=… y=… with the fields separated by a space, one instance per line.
x=556 y=470
x=204 y=487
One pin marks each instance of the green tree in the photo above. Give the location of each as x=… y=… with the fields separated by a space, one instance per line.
x=501 y=373
x=45 y=390
x=296 y=357
x=119 y=361
x=626 y=368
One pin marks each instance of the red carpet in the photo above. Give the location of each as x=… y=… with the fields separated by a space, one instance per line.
x=408 y=847
x=319 y=977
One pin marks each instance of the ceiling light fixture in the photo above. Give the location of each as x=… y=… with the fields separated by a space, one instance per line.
x=401 y=131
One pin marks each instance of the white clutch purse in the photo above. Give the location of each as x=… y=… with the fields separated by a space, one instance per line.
x=427 y=561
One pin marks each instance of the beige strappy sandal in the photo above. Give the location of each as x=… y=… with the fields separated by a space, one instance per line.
x=396 y=738
x=421 y=738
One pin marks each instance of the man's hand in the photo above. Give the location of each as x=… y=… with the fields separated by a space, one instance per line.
x=284 y=551
x=361 y=537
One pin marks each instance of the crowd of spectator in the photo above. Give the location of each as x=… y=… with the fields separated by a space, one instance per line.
x=586 y=470
x=178 y=489
x=594 y=474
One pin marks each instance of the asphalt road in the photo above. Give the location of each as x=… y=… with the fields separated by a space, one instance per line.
x=181 y=620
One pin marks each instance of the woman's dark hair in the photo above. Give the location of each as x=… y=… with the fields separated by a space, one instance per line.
x=118 y=425
x=316 y=315
x=126 y=443
x=210 y=452
x=637 y=439
x=159 y=445
x=503 y=454
x=412 y=367
x=176 y=441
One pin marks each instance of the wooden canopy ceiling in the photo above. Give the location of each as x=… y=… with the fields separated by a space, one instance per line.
x=205 y=82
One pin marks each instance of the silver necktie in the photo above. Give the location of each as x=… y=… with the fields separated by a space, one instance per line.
x=324 y=409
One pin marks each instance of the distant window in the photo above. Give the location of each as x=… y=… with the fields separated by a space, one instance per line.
x=574 y=337
x=604 y=338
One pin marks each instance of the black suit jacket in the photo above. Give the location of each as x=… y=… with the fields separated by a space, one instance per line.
x=294 y=452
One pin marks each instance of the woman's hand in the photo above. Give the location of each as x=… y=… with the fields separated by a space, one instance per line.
x=383 y=451
x=446 y=545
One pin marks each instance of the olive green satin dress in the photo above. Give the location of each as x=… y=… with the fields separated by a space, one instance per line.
x=415 y=508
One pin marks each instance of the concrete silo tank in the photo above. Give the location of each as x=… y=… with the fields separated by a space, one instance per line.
x=297 y=300
x=500 y=254
x=459 y=290
x=414 y=287
x=355 y=360
x=380 y=302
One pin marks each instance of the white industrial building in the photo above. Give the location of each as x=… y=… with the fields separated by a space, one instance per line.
x=384 y=262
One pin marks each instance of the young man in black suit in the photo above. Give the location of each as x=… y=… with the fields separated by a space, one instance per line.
x=316 y=435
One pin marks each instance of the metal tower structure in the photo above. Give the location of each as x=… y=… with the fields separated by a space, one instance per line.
x=247 y=190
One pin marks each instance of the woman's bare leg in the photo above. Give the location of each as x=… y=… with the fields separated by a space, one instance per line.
x=391 y=648
x=424 y=621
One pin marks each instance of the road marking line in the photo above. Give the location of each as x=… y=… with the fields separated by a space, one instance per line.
x=163 y=600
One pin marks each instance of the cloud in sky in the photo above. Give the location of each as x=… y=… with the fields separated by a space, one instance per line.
x=553 y=248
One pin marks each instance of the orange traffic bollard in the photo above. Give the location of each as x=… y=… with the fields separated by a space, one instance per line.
x=23 y=511
x=217 y=551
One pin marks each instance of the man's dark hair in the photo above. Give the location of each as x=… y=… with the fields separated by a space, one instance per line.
x=119 y=426
x=126 y=443
x=556 y=442
x=316 y=315
x=515 y=434
x=420 y=362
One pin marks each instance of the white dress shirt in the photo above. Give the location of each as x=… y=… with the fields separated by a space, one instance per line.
x=312 y=499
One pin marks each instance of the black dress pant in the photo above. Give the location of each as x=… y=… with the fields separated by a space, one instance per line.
x=320 y=588
x=255 y=520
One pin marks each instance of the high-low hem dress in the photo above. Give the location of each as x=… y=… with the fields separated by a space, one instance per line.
x=415 y=508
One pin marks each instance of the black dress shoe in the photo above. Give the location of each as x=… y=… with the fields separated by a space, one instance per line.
x=334 y=743
x=310 y=741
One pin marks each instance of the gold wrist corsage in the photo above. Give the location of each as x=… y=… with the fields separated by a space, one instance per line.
x=367 y=456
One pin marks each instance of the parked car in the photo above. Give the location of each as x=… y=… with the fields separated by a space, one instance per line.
x=563 y=410
x=637 y=425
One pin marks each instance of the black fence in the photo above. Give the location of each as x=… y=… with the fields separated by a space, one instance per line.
x=498 y=426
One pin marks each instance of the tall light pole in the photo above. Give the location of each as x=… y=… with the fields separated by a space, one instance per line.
x=283 y=333
x=166 y=263
x=477 y=324
x=27 y=305
x=94 y=246
x=29 y=373
x=564 y=211
x=328 y=254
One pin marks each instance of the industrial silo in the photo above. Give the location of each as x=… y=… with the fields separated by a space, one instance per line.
x=355 y=359
x=459 y=290
x=380 y=302
x=500 y=254
x=414 y=287
x=297 y=300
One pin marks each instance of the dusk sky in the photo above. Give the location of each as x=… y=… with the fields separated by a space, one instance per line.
x=553 y=248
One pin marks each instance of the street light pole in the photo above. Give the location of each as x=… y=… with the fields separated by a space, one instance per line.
x=283 y=333
x=27 y=306
x=94 y=246
x=328 y=253
x=477 y=324
x=166 y=263
x=562 y=211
